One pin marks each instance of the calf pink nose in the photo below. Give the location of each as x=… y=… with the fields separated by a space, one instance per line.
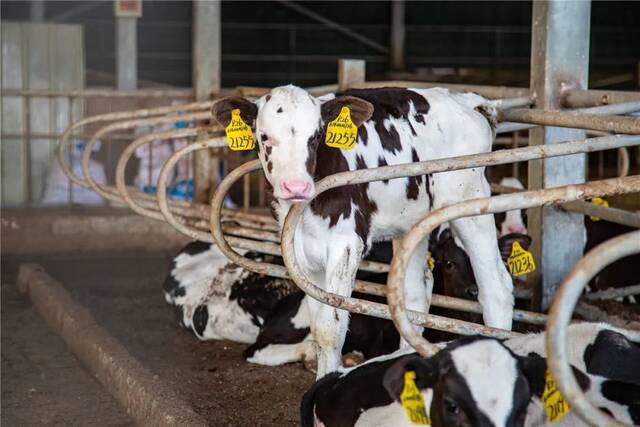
x=295 y=189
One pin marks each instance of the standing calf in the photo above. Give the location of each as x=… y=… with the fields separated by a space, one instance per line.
x=395 y=126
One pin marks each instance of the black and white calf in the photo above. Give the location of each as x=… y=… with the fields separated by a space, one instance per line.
x=478 y=381
x=395 y=126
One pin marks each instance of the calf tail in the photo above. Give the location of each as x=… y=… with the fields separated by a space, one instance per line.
x=307 y=407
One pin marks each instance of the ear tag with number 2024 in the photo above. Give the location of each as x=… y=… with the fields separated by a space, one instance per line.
x=520 y=261
x=412 y=400
x=342 y=132
x=239 y=135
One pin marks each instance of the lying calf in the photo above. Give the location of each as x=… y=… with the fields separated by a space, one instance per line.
x=478 y=381
x=217 y=299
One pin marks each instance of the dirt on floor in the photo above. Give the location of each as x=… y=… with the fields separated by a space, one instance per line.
x=124 y=294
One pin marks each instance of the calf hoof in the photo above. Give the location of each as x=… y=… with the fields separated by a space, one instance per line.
x=310 y=365
x=352 y=359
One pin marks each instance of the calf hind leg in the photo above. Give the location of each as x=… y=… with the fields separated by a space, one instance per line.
x=479 y=238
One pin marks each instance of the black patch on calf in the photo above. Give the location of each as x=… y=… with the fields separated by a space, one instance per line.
x=336 y=203
x=277 y=327
x=269 y=167
x=621 y=392
x=258 y=294
x=339 y=401
x=383 y=162
x=414 y=182
x=613 y=356
x=318 y=390
x=279 y=110
x=268 y=98
x=363 y=135
x=391 y=102
x=200 y=319
x=489 y=114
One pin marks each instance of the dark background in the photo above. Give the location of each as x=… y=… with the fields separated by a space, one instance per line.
x=266 y=44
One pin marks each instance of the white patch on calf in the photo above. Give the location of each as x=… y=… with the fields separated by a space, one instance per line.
x=391 y=415
x=513 y=221
x=490 y=372
x=279 y=354
x=301 y=320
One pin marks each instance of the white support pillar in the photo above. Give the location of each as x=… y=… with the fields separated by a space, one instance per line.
x=206 y=60
x=559 y=61
x=397 y=35
x=351 y=73
x=126 y=53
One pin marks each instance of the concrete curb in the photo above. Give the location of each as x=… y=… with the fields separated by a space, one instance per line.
x=147 y=400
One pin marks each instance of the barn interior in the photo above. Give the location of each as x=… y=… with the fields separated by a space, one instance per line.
x=112 y=164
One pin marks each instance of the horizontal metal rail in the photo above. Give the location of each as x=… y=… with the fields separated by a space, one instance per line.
x=583 y=118
x=99 y=93
x=619 y=216
x=502 y=203
x=614 y=292
x=560 y=315
x=587 y=98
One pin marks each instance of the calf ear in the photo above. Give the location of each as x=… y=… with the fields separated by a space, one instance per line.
x=425 y=369
x=222 y=108
x=506 y=242
x=361 y=110
x=534 y=367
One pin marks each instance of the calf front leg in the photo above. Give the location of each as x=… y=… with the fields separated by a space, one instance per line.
x=328 y=324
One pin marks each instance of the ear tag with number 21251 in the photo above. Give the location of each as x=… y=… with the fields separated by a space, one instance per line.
x=239 y=135
x=342 y=132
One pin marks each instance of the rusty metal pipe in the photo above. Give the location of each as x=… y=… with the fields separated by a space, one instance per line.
x=572 y=119
x=586 y=98
x=613 y=293
x=560 y=315
x=502 y=203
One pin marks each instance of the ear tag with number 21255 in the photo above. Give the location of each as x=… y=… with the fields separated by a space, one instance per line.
x=239 y=135
x=342 y=132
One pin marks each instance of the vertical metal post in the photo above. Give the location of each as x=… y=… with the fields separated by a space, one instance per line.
x=559 y=61
x=206 y=80
x=351 y=73
x=397 y=35
x=126 y=52
x=36 y=10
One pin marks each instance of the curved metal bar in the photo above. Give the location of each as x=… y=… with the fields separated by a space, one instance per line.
x=63 y=144
x=107 y=192
x=218 y=232
x=560 y=315
x=131 y=149
x=162 y=186
x=505 y=202
x=623 y=162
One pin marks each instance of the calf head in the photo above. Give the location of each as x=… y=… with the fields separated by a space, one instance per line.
x=476 y=381
x=289 y=124
x=454 y=266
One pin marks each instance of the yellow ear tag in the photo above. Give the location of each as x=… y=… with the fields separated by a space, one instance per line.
x=520 y=261
x=598 y=201
x=431 y=263
x=239 y=135
x=342 y=132
x=555 y=405
x=412 y=400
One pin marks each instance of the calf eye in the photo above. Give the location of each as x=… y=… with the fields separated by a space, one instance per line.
x=450 y=407
x=263 y=137
x=448 y=264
